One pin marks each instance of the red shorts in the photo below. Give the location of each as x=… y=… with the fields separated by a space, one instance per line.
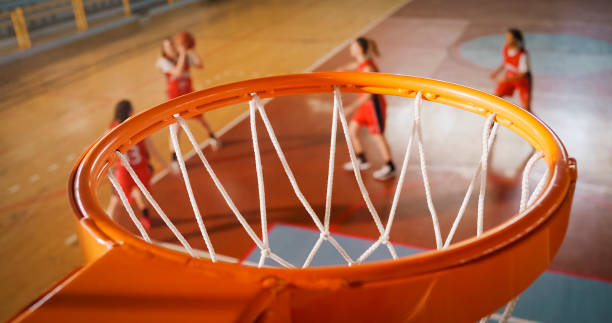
x=372 y=114
x=523 y=86
x=179 y=87
x=127 y=183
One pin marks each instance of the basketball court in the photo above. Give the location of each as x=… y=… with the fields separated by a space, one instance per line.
x=54 y=109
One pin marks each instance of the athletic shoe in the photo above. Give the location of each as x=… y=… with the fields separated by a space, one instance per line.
x=384 y=173
x=146 y=223
x=361 y=165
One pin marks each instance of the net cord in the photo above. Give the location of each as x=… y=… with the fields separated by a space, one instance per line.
x=424 y=173
x=328 y=196
x=483 y=176
x=125 y=163
x=217 y=182
x=256 y=104
x=194 y=205
x=364 y=191
x=525 y=201
x=128 y=207
x=470 y=189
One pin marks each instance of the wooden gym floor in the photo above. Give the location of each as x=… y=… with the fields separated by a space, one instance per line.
x=55 y=104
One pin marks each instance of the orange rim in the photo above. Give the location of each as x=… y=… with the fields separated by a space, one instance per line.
x=502 y=239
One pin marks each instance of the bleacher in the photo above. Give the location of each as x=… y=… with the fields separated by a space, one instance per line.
x=44 y=18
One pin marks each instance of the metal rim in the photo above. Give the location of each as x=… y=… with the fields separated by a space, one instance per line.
x=94 y=162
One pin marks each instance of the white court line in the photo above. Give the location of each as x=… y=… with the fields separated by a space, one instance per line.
x=157 y=177
x=14 y=189
x=70 y=158
x=497 y=317
x=70 y=240
x=365 y=30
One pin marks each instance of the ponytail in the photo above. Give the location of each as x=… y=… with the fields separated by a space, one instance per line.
x=123 y=110
x=368 y=46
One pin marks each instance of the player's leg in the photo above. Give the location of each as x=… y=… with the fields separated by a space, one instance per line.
x=216 y=144
x=145 y=175
x=504 y=89
x=362 y=162
x=383 y=146
x=524 y=87
x=126 y=184
x=142 y=206
x=388 y=169
x=354 y=133
x=376 y=125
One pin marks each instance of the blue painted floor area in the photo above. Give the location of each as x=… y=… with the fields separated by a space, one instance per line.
x=550 y=54
x=294 y=244
x=554 y=298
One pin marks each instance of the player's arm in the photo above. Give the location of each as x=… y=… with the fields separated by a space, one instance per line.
x=194 y=59
x=497 y=71
x=177 y=69
x=155 y=153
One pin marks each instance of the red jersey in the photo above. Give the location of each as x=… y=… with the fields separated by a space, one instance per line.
x=176 y=85
x=366 y=63
x=373 y=112
x=511 y=63
x=515 y=65
x=138 y=155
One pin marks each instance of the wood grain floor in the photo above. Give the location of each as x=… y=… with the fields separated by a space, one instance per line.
x=54 y=104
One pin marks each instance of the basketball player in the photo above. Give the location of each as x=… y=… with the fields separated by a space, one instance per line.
x=369 y=111
x=517 y=73
x=138 y=157
x=517 y=76
x=177 y=58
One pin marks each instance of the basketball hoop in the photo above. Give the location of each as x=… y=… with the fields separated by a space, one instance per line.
x=453 y=283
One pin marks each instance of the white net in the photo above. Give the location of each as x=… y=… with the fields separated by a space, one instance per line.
x=263 y=244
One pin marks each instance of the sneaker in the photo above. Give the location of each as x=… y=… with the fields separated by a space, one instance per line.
x=384 y=173
x=146 y=223
x=362 y=166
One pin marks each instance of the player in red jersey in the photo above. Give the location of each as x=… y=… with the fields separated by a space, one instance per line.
x=369 y=110
x=517 y=73
x=175 y=62
x=138 y=157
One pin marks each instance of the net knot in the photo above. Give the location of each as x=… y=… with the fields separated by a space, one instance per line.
x=324 y=235
x=384 y=239
x=266 y=252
